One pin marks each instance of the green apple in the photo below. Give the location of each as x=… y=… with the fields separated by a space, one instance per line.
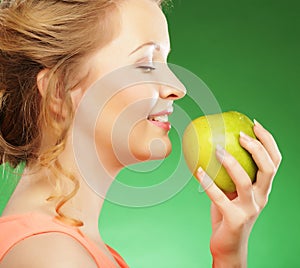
x=202 y=136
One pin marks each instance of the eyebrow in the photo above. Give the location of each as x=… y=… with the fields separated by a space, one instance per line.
x=157 y=47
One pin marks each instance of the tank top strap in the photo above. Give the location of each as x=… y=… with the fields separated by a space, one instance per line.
x=15 y=228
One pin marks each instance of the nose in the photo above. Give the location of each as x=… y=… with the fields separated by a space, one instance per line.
x=172 y=88
x=172 y=93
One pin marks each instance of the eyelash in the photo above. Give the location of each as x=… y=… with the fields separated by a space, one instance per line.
x=147 y=69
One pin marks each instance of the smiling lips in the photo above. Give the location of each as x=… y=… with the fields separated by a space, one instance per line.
x=161 y=119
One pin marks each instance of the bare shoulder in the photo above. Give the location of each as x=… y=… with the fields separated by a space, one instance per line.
x=48 y=250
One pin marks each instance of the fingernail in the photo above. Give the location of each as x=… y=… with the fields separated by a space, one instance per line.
x=257 y=123
x=220 y=152
x=244 y=136
x=200 y=172
x=204 y=179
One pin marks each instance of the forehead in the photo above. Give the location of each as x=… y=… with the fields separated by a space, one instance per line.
x=143 y=21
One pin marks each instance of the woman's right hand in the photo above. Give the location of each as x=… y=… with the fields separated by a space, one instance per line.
x=234 y=216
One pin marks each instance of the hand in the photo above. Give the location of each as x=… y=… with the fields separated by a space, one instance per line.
x=233 y=216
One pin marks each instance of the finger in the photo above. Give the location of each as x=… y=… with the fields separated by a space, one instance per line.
x=238 y=175
x=216 y=216
x=266 y=166
x=269 y=143
x=213 y=191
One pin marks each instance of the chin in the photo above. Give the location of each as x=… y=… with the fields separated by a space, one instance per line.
x=160 y=149
x=155 y=149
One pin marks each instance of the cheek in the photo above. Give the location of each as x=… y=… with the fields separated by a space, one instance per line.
x=127 y=108
x=134 y=102
x=120 y=118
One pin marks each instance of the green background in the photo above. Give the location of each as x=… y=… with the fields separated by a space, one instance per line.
x=248 y=53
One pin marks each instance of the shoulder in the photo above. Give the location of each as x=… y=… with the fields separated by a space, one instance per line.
x=48 y=250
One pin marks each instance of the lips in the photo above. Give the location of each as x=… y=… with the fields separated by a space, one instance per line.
x=161 y=119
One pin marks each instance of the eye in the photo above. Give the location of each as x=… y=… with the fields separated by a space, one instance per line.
x=146 y=68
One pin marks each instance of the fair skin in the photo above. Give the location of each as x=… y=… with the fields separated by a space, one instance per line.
x=232 y=220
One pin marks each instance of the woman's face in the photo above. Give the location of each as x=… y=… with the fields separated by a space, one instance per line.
x=133 y=125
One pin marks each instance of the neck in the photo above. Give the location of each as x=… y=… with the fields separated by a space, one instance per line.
x=34 y=189
x=94 y=180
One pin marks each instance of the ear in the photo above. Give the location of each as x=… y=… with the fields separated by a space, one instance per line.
x=56 y=102
x=42 y=81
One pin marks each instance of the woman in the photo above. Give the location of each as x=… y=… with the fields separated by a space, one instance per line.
x=52 y=52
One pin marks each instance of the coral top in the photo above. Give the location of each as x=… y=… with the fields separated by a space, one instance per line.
x=14 y=229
